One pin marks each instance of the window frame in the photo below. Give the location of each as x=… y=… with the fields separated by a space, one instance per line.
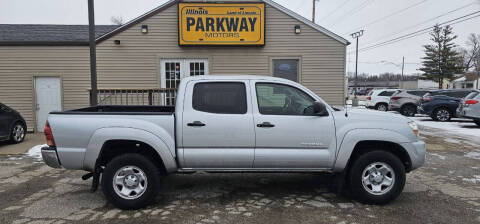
x=292 y=57
x=283 y=84
x=215 y=82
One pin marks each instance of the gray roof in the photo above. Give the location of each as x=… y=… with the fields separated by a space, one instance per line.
x=35 y=34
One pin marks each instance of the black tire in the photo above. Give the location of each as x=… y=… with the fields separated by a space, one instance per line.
x=153 y=178
x=408 y=110
x=357 y=189
x=442 y=114
x=381 y=107
x=17 y=133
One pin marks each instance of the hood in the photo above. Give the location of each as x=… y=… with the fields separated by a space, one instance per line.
x=376 y=116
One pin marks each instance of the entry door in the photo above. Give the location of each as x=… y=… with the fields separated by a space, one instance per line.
x=48 y=98
x=288 y=134
x=174 y=70
x=217 y=126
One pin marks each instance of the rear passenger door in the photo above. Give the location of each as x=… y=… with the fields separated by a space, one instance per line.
x=217 y=122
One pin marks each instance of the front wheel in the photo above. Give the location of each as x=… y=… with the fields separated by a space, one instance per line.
x=376 y=177
x=442 y=114
x=408 y=110
x=381 y=107
x=130 y=181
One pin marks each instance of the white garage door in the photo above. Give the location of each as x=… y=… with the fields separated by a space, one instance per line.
x=48 y=98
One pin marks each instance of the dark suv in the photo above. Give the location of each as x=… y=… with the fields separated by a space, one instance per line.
x=12 y=125
x=442 y=105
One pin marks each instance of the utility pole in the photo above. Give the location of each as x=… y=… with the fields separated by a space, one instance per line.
x=93 y=54
x=401 y=78
x=313 y=10
x=356 y=35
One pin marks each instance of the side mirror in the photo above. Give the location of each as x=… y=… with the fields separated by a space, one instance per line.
x=319 y=109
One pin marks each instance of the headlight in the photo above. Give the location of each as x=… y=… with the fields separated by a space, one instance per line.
x=414 y=127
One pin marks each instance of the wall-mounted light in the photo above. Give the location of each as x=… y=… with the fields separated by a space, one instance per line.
x=297 y=29
x=116 y=42
x=144 y=29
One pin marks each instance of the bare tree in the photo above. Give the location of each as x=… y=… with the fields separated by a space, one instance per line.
x=117 y=20
x=470 y=56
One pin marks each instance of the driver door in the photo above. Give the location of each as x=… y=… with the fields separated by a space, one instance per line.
x=287 y=134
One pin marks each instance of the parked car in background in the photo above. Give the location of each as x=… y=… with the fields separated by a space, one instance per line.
x=362 y=92
x=470 y=107
x=13 y=127
x=442 y=105
x=378 y=99
x=406 y=101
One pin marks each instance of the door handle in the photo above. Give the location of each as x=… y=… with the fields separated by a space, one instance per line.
x=266 y=125
x=196 y=124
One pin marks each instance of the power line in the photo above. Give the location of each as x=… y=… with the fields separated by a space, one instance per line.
x=426 y=21
x=335 y=10
x=353 y=11
x=380 y=62
x=420 y=32
x=387 y=16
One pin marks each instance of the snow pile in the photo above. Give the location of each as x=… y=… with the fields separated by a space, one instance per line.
x=455 y=126
x=474 y=180
x=36 y=152
x=473 y=155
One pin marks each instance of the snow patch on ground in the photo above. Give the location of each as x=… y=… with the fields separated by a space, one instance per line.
x=473 y=155
x=475 y=179
x=456 y=126
x=36 y=152
x=451 y=140
x=438 y=155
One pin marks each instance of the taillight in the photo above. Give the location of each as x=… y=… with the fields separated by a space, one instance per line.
x=426 y=99
x=369 y=98
x=49 y=135
x=395 y=98
x=471 y=102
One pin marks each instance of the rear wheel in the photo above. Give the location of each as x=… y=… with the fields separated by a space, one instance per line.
x=381 y=107
x=442 y=114
x=130 y=181
x=17 y=134
x=376 y=177
x=408 y=110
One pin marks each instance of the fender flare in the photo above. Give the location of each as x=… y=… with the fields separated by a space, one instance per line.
x=162 y=143
x=351 y=138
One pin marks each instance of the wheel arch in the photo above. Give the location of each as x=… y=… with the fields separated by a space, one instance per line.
x=106 y=143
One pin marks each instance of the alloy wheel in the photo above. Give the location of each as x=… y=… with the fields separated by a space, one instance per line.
x=130 y=182
x=18 y=133
x=443 y=115
x=378 y=178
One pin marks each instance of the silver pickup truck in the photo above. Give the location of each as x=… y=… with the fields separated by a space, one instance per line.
x=234 y=124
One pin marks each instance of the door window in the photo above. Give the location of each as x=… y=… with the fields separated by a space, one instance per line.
x=279 y=99
x=386 y=93
x=220 y=97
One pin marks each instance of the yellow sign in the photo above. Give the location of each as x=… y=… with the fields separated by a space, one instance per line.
x=221 y=24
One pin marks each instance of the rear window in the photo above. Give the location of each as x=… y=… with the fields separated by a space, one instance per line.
x=458 y=94
x=220 y=97
x=417 y=93
x=472 y=95
x=386 y=93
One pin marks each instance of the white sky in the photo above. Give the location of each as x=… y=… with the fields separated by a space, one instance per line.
x=340 y=16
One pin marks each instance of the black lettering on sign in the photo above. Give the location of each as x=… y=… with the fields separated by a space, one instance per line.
x=220 y=24
x=210 y=24
x=232 y=24
x=190 y=22
x=252 y=23
x=243 y=25
x=200 y=26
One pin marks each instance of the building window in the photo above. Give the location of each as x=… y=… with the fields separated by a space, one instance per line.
x=286 y=68
x=220 y=97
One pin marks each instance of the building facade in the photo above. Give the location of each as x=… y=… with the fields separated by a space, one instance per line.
x=147 y=54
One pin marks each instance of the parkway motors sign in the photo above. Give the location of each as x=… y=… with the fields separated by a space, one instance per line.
x=221 y=24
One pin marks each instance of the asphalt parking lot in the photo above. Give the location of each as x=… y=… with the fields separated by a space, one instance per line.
x=445 y=190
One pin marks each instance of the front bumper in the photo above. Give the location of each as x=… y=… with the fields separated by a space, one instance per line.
x=417 y=152
x=50 y=157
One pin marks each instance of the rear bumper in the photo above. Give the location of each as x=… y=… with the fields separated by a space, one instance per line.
x=417 y=152
x=50 y=157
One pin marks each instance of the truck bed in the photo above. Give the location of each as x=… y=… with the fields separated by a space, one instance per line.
x=112 y=110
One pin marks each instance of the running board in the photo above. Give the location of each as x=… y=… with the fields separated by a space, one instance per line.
x=261 y=170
